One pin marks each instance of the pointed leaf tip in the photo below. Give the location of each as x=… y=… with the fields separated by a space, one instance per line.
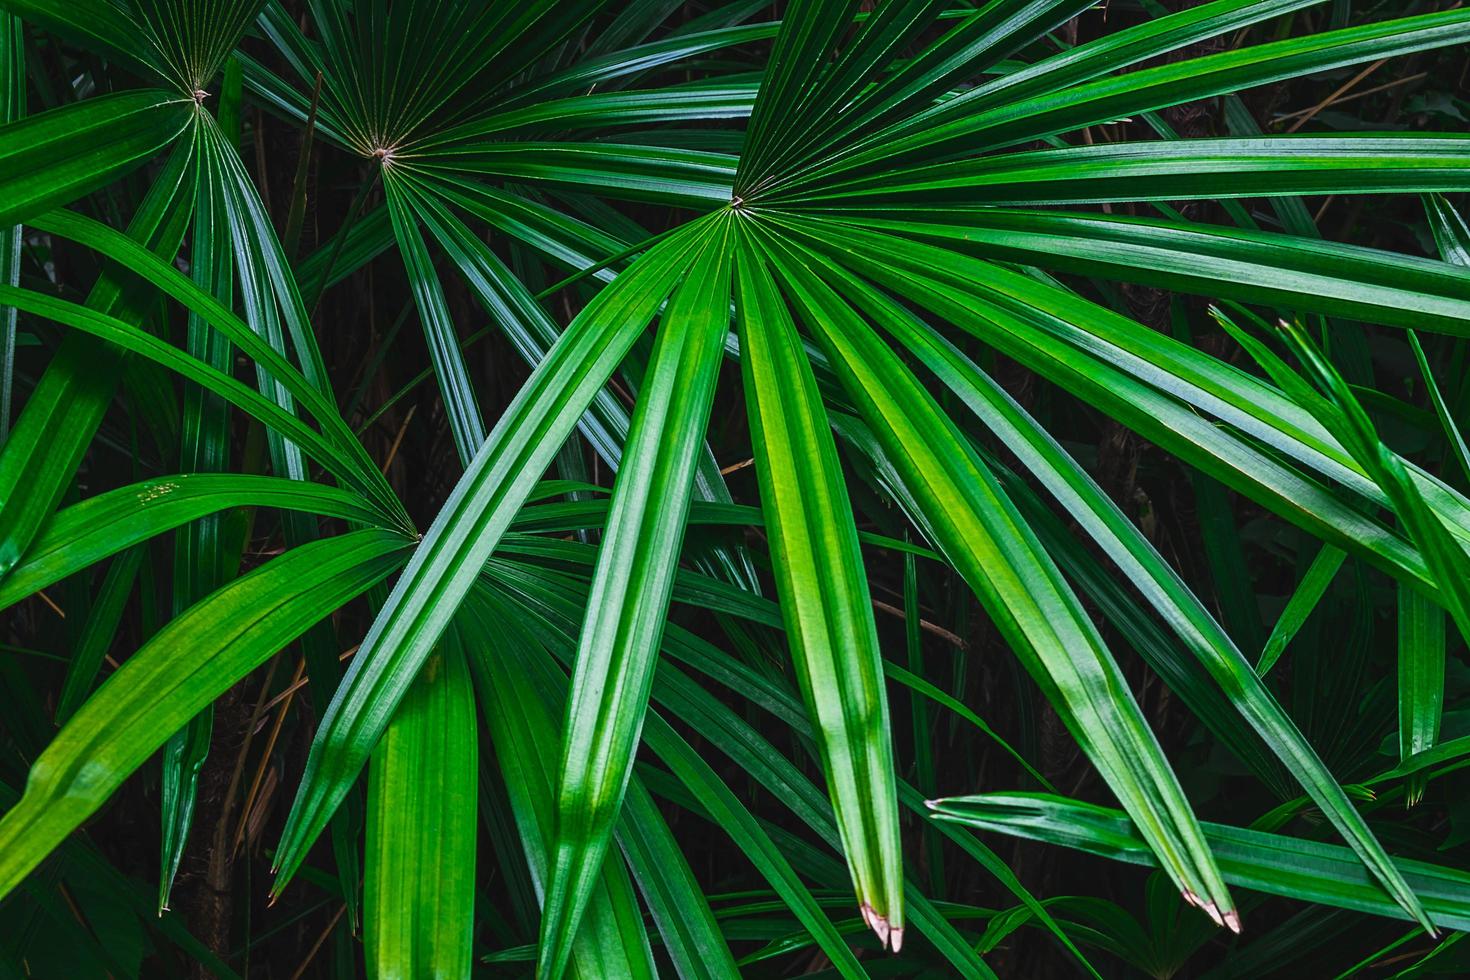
x=1213 y=911
x=880 y=927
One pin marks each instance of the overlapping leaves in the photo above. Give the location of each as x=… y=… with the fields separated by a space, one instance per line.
x=878 y=205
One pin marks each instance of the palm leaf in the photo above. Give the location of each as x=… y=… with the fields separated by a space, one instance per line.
x=976 y=528
x=824 y=593
x=419 y=905
x=180 y=670
x=466 y=532
x=1269 y=863
x=631 y=586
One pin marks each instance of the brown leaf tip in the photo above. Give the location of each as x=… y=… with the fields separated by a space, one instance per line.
x=889 y=937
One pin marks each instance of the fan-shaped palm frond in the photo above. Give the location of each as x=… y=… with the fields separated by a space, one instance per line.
x=869 y=211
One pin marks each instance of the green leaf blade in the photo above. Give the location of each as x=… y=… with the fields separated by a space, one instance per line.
x=632 y=585
x=419 y=886
x=180 y=670
x=55 y=157
x=465 y=533
x=824 y=592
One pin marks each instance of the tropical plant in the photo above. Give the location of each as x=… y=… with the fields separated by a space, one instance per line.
x=898 y=255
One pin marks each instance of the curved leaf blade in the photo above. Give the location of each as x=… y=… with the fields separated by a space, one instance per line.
x=631 y=586
x=1269 y=863
x=184 y=667
x=978 y=530
x=55 y=157
x=823 y=590
x=419 y=884
x=465 y=533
